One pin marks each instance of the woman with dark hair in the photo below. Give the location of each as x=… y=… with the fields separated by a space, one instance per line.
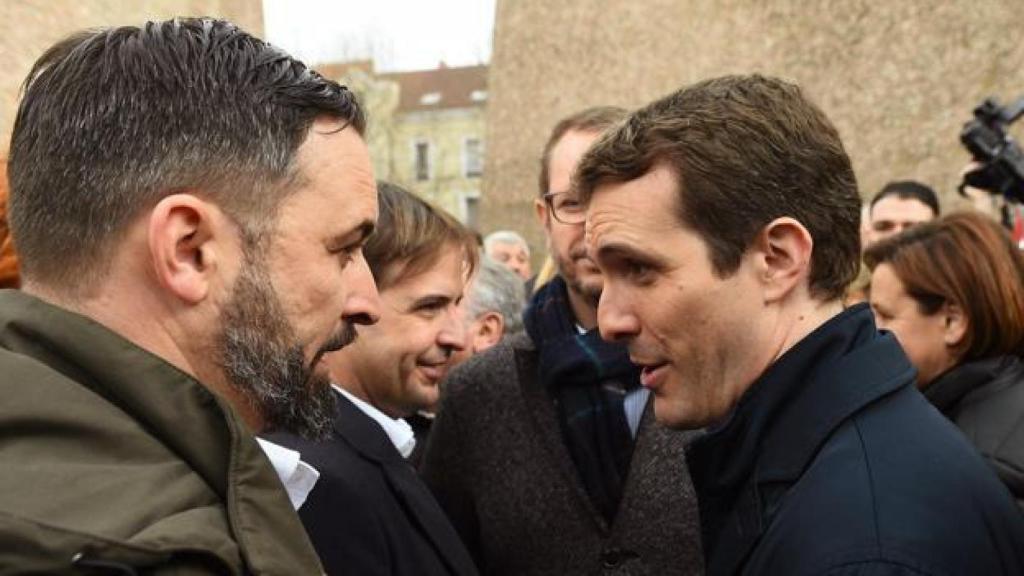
x=952 y=292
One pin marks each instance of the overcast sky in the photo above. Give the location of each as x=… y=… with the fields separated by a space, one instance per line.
x=398 y=34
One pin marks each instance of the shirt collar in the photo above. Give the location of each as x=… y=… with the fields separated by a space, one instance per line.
x=297 y=476
x=398 y=430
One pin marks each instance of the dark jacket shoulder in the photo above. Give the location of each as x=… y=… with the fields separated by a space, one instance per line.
x=985 y=398
x=833 y=461
x=493 y=372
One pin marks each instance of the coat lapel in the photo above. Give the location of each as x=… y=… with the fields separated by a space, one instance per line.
x=424 y=511
x=367 y=438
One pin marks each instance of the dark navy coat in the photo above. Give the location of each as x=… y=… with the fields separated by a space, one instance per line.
x=833 y=463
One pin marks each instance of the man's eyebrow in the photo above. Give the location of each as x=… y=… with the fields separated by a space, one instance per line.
x=356 y=235
x=617 y=251
x=431 y=300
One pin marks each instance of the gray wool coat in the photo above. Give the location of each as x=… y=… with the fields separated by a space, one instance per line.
x=498 y=465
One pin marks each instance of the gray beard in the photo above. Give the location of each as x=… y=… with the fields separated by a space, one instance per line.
x=261 y=358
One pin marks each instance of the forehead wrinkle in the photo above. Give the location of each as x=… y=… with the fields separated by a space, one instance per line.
x=624 y=222
x=602 y=221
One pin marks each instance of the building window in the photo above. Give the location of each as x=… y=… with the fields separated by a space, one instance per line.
x=422 y=167
x=471 y=210
x=473 y=158
x=430 y=98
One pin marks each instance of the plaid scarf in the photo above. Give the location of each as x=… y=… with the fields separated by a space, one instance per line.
x=588 y=379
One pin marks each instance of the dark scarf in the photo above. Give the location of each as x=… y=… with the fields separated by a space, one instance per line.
x=588 y=379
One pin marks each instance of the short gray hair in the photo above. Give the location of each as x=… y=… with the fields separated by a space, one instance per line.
x=505 y=237
x=497 y=289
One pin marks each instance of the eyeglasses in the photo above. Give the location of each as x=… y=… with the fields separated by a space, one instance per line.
x=565 y=207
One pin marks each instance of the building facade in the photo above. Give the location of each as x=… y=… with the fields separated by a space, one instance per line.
x=425 y=130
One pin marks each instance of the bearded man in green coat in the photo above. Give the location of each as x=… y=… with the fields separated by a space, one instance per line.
x=189 y=205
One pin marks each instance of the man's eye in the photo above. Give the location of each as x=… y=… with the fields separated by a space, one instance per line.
x=883 y=226
x=569 y=206
x=346 y=255
x=638 y=271
x=430 y=308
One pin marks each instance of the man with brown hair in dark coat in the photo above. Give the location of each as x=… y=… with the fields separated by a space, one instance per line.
x=724 y=217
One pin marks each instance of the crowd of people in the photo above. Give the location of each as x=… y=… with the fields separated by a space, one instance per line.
x=233 y=351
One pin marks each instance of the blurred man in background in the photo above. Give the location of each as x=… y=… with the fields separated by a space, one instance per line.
x=898 y=206
x=511 y=250
x=493 y=307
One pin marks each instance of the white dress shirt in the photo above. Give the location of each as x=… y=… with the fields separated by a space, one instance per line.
x=398 y=430
x=297 y=476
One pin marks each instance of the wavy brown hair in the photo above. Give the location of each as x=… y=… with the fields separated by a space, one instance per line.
x=968 y=260
x=412 y=235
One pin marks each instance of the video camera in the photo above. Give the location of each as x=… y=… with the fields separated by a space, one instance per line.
x=1001 y=158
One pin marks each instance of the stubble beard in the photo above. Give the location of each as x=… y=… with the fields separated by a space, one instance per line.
x=589 y=291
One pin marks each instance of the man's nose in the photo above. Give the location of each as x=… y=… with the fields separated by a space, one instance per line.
x=453 y=334
x=363 y=303
x=614 y=317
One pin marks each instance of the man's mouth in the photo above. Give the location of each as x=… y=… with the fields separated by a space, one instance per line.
x=651 y=372
x=339 y=340
x=433 y=371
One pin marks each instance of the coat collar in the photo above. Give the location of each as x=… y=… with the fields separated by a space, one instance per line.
x=951 y=388
x=218 y=447
x=778 y=426
x=363 y=433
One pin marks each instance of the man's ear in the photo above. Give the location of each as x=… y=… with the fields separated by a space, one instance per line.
x=956 y=324
x=540 y=208
x=783 y=257
x=487 y=331
x=181 y=239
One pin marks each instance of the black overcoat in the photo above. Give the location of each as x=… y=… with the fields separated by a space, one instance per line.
x=369 y=513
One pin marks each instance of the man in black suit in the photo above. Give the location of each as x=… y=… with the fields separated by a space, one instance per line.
x=369 y=513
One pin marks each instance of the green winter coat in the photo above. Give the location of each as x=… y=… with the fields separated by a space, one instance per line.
x=111 y=458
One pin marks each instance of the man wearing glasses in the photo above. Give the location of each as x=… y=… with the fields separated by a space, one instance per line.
x=545 y=453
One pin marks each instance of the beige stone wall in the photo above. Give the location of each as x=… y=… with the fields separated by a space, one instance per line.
x=898 y=78
x=28 y=27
